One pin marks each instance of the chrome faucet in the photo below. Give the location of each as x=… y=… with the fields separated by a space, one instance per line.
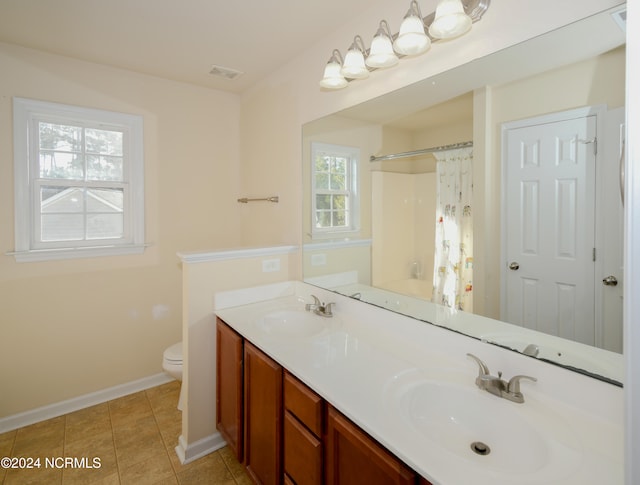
x=496 y=385
x=322 y=309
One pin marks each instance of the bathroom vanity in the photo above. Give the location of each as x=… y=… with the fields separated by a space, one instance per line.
x=292 y=434
x=370 y=396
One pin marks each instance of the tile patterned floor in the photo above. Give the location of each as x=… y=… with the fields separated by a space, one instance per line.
x=134 y=437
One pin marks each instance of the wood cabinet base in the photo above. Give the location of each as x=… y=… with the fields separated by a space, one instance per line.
x=354 y=458
x=262 y=416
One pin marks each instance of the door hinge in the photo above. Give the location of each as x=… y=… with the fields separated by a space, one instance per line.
x=594 y=254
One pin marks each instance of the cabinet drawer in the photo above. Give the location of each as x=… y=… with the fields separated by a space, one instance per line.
x=302 y=453
x=303 y=403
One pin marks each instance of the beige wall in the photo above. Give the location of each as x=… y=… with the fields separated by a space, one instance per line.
x=338 y=258
x=270 y=167
x=72 y=327
x=595 y=81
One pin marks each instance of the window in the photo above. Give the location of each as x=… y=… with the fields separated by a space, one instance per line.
x=79 y=181
x=334 y=187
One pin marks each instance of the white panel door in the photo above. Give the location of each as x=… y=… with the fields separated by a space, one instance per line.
x=550 y=183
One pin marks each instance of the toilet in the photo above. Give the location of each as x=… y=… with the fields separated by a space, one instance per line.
x=172 y=365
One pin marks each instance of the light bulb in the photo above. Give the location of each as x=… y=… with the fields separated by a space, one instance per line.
x=354 y=66
x=332 y=78
x=411 y=39
x=381 y=53
x=450 y=21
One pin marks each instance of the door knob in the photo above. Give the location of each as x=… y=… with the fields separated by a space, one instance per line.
x=515 y=266
x=610 y=281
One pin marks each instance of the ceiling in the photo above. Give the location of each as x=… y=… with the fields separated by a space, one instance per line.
x=451 y=112
x=178 y=39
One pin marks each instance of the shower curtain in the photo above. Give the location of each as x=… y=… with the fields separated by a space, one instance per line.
x=453 y=264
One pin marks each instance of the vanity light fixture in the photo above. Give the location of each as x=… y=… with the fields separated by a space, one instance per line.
x=354 y=66
x=381 y=53
x=412 y=39
x=451 y=19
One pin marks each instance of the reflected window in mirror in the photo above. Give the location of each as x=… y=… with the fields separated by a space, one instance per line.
x=334 y=182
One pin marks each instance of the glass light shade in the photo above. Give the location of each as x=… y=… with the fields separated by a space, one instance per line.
x=411 y=39
x=333 y=78
x=354 y=66
x=450 y=21
x=381 y=52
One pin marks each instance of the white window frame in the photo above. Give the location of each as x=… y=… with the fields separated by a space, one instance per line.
x=353 y=154
x=27 y=113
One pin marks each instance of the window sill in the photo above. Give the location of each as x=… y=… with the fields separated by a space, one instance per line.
x=336 y=243
x=35 y=255
x=352 y=233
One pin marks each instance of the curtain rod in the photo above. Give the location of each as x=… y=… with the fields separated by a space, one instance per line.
x=395 y=156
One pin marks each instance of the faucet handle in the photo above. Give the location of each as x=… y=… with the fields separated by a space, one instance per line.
x=483 y=370
x=513 y=387
x=327 y=309
x=532 y=350
x=316 y=304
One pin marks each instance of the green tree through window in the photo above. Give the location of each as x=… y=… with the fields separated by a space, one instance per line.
x=335 y=187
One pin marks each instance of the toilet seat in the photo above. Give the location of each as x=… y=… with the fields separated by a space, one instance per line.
x=172 y=365
x=173 y=354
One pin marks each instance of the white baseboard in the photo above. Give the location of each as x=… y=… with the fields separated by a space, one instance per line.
x=188 y=452
x=64 y=407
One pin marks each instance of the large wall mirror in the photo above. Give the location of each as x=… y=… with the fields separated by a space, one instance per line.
x=486 y=199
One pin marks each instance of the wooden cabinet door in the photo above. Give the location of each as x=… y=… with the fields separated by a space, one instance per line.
x=229 y=416
x=263 y=416
x=354 y=458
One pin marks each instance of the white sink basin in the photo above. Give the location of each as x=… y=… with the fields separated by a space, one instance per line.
x=496 y=434
x=294 y=323
x=463 y=421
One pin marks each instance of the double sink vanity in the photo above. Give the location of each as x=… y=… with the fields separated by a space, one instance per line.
x=309 y=392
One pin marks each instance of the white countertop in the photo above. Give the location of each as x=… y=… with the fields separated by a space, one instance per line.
x=365 y=357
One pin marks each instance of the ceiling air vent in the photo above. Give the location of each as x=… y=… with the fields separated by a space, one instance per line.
x=225 y=72
x=620 y=18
